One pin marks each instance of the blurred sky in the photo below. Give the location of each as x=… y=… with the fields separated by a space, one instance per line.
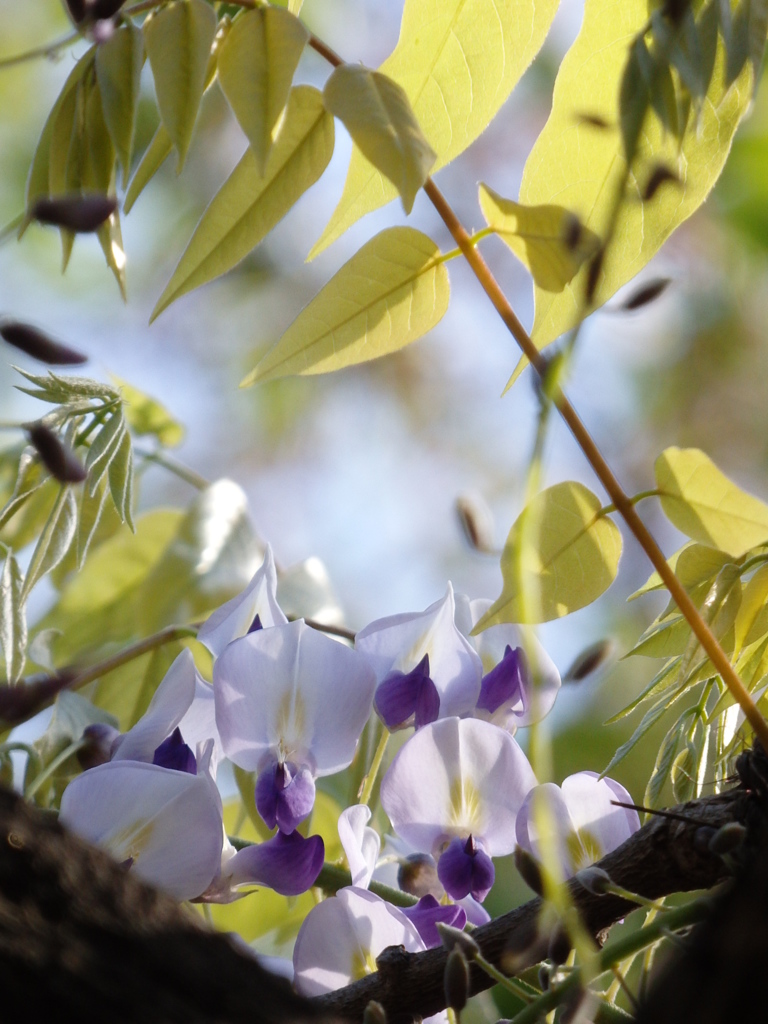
x=363 y=468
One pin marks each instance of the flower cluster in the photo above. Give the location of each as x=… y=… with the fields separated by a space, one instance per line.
x=289 y=704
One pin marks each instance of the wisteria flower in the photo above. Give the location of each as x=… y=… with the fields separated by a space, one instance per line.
x=425 y=668
x=587 y=824
x=341 y=937
x=454 y=790
x=360 y=843
x=290 y=705
x=163 y=824
x=255 y=608
x=518 y=687
x=287 y=863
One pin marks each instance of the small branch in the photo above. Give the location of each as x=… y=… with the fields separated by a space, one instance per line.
x=663 y=857
x=48 y=50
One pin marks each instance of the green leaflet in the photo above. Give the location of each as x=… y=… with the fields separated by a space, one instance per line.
x=178 y=40
x=247 y=206
x=390 y=293
x=580 y=166
x=559 y=556
x=692 y=563
x=13 y=618
x=256 y=64
x=376 y=113
x=54 y=541
x=118 y=69
x=155 y=155
x=458 y=61
x=752 y=618
x=549 y=240
x=148 y=416
x=705 y=505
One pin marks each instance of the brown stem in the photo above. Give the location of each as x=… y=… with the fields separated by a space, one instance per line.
x=620 y=499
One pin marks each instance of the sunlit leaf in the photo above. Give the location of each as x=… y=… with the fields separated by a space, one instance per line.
x=248 y=206
x=549 y=240
x=377 y=114
x=120 y=476
x=559 y=556
x=458 y=61
x=705 y=505
x=752 y=619
x=103 y=448
x=155 y=155
x=580 y=167
x=118 y=70
x=256 y=65
x=692 y=564
x=178 y=40
x=13 y=618
x=54 y=541
x=148 y=416
x=390 y=293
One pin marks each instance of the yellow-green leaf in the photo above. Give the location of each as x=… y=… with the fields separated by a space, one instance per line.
x=377 y=114
x=580 y=166
x=752 y=618
x=155 y=155
x=390 y=293
x=706 y=506
x=178 y=40
x=148 y=416
x=692 y=564
x=549 y=240
x=118 y=70
x=248 y=206
x=458 y=61
x=256 y=64
x=560 y=555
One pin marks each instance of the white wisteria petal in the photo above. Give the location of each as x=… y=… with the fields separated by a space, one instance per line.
x=291 y=694
x=588 y=825
x=236 y=617
x=170 y=703
x=166 y=824
x=398 y=643
x=542 y=688
x=341 y=937
x=455 y=778
x=360 y=843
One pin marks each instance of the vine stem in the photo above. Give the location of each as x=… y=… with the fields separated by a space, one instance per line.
x=624 y=504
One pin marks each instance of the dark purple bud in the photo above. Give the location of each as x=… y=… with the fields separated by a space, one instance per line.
x=174 y=753
x=402 y=696
x=417 y=875
x=646 y=293
x=289 y=864
x=591 y=658
x=98 y=10
x=464 y=868
x=504 y=683
x=38 y=345
x=76 y=9
x=426 y=914
x=255 y=625
x=127 y=863
x=285 y=795
x=75 y=212
x=530 y=870
x=456 y=979
x=57 y=457
x=100 y=739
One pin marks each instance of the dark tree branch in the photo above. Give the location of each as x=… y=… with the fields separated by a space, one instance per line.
x=665 y=856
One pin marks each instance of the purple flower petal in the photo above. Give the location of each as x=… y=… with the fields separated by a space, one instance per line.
x=504 y=683
x=289 y=864
x=464 y=868
x=285 y=795
x=255 y=625
x=428 y=912
x=174 y=753
x=403 y=695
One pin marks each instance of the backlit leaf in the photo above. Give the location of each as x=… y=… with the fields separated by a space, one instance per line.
x=377 y=114
x=705 y=505
x=178 y=40
x=580 y=167
x=458 y=61
x=752 y=618
x=155 y=155
x=549 y=240
x=118 y=70
x=248 y=206
x=390 y=293
x=148 y=416
x=54 y=541
x=559 y=556
x=120 y=476
x=13 y=618
x=257 y=62
x=692 y=564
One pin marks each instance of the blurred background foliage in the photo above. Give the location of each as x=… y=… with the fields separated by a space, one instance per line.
x=362 y=469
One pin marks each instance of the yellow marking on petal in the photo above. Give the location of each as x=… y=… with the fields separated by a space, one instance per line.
x=131 y=840
x=583 y=848
x=291 y=723
x=465 y=806
x=363 y=964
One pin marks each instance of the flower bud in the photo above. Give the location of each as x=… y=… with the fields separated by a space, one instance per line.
x=39 y=345
x=529 y=869
x=456 y=979
x=57 y=457
x=476 y=521
x=79 y=213
x=594 y=880
x=585 y=663
x=560 y=945
x=727 y=838
x=374 y=1013
x=452 y=937
x=417 y=875
x=646 y=293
